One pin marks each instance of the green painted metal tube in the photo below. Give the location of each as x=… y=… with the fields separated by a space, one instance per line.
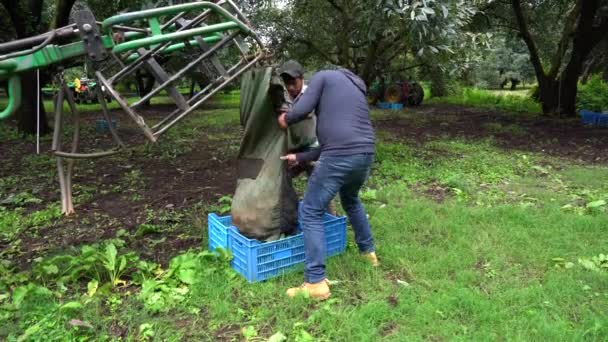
x=180 y=46
x=156 y=12
x=199 y=31
x=14 y=97
x=49 y=55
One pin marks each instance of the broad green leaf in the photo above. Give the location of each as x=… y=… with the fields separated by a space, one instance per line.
x=304 y=337
x=187 y=276
x=111 y=253
x=541 y=169
x=70 y=306
x=19 y=295
x=249 y=332
x=123 y=263
x=421 y=17
x=22 y=292
x=92 y=287
x=445 y=11
x=428 y=10
x=596 y=204
x=29 y=331
x=146 y=330
x=588 y=264
x=50 y=269
x=145 y=229
x=278 y=337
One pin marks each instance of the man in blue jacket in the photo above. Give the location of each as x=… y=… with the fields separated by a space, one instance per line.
x=346 y=136
x=308 y=150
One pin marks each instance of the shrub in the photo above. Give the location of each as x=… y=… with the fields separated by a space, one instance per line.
x=593 y=95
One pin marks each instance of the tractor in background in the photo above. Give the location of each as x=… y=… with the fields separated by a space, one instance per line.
x=84 y=90
x=405 y=92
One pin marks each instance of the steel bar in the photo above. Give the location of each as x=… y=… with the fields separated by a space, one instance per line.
x=75 y=142
x=161 y=77
x=230 y=79
x=185 y=69
x=134 y=65
x=198 y=95
x=86 y=155
x=104 y=109
x=125 y=106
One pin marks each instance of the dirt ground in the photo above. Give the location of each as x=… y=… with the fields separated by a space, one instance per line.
x=172 y=188
x=566 y=138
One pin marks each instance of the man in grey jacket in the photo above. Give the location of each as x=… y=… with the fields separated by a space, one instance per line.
x=347 y=140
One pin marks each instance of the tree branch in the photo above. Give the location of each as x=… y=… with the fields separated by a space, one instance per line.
x=335 y=5
x=600 y=32
x=311 y=45
x=527 y=37
x=569 y=28
x=62 y=15
x=409 y=67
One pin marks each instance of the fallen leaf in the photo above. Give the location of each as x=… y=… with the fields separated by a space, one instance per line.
x=79 y=323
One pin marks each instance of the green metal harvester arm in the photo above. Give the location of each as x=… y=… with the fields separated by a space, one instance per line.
x=96 y=41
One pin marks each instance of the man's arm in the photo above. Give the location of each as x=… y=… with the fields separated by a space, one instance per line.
x=308 y=156
x=307 y=102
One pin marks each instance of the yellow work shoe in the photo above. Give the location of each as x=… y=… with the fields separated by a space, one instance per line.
x=318 y=290
x=372 y=258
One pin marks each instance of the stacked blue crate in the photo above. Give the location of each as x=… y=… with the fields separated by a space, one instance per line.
x=390 y=106
x=258 y=261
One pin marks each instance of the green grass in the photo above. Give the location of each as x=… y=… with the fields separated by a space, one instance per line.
x=516 y=101
x=505 y=256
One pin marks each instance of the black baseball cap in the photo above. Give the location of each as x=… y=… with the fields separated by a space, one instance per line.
x=292 y=69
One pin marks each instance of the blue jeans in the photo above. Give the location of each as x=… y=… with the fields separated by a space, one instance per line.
x=332 y=175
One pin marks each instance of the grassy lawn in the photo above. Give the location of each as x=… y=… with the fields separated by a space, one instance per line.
x=514 y=101
x=478 y=240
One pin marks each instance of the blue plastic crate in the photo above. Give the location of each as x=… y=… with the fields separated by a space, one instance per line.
x=217 y=230
x=259 y=261
x=589 y=117
x=390 y=106
x=101 y=125
x=602 y=120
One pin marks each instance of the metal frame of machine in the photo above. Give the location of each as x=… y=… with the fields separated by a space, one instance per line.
x=124 y=44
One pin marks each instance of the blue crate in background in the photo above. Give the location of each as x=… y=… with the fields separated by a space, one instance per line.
x=259 y=261
x=602 y=120
x=589 y=117
x=594 y=118
x=101 y=125
x=217 y=231
x=390 y=106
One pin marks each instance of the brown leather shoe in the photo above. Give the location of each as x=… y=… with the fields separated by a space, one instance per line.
x=373 y=259
x=318 y=290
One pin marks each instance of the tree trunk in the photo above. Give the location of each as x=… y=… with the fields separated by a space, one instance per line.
x=439 y=87
x=587 y=69
x=192 y=84
x=28 y=112
x=145 y=83
x=62 y=16
x=559 y=96
x=371 y=58
x=558 y=92
x=26 y=17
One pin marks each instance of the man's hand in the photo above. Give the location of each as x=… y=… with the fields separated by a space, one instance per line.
x=291 y=159
x=282 y=121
